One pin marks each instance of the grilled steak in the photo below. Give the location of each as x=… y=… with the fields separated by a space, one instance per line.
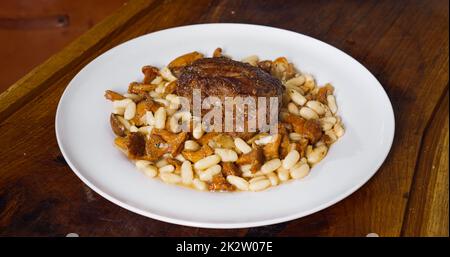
x=222 y=77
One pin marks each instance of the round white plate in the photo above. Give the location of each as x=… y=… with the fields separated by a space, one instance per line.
x=86 y=140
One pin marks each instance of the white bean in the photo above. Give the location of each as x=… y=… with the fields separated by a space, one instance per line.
x=256 y=179
x=150 y=171
x=309 y=82
x=264 y=140
x=283 y=174
x=270 y=166
x=209 y=173
x=133 y=97
x=121 y=103
x=330 y=119
x=292 y=108
x=249 y=174
x=299 y=171
x=146 y=130
x=326 y=125
x=316 y=106
x=174 y=125
x=308 y=113
x=291 y=159
x=162 y=101
x=191 y=145
x=226 y=155
x=198 y=184
x=296 y=81
x=147 y=168
x=198 y=131
x=170 y=178
x=331 y=134
x=134 y=129
x=161 y=163
x=180 y=157
x=296 y=97
x=167 y=74
x=118 y=110
x=166 y=169
x=130 y=111
x=156 y=80
x=331 y=100
x=149 y=118
x=187 y=175
x=160 y=118
x=273 y=178
x=124 y=122
x=252 y=60
x=238 y=182
x=317 y=154
x=259 y=185
x=295 y=136
x=154 y=94
x=207 y=162
x=245 y=167
x=338 y=130
x=140 y=164
x=242 y=146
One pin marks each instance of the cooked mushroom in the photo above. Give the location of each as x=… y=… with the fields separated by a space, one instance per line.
x=121 y=143
x=222 y=141
x=310 y=129
x=150 y=73
x=229 y=168
x=140 y=88
x=271 y=149
x=117 y=126
x=301 y=146
x=324 y=92
x=206 y=138
x=219 y=183
x=175 y=141
x=136 y=145
x=282 y=69
x=141 y=109
x=154 y=148
x=170 y=88
x=113 y=96
x=265 y=65
x=217 y=52
x=199 y=154
x=178 y=63
x=176 y=163
x=255 y=158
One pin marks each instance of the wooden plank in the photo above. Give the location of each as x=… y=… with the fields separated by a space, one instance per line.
x=427 y=212
x=45 y=74
x=404 y=43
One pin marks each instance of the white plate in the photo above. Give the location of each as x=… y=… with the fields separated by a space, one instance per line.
x=86 y=140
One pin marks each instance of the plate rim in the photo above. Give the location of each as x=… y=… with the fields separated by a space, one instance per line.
x=227 y=225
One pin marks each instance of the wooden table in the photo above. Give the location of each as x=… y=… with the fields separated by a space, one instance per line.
x=403 y=43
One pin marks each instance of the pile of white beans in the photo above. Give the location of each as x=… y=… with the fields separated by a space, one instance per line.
x=199 y=174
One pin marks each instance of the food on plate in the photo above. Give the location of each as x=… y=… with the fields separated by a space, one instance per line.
x=166 y=138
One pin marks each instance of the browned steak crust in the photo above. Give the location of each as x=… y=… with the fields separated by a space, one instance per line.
x=222 y=77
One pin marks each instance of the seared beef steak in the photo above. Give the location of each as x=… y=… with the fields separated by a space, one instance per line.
x=222 y=77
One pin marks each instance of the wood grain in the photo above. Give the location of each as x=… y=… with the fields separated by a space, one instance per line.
x=427 y=212
x=404 y=43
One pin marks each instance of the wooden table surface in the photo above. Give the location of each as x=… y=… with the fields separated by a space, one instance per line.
x=403 y=43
